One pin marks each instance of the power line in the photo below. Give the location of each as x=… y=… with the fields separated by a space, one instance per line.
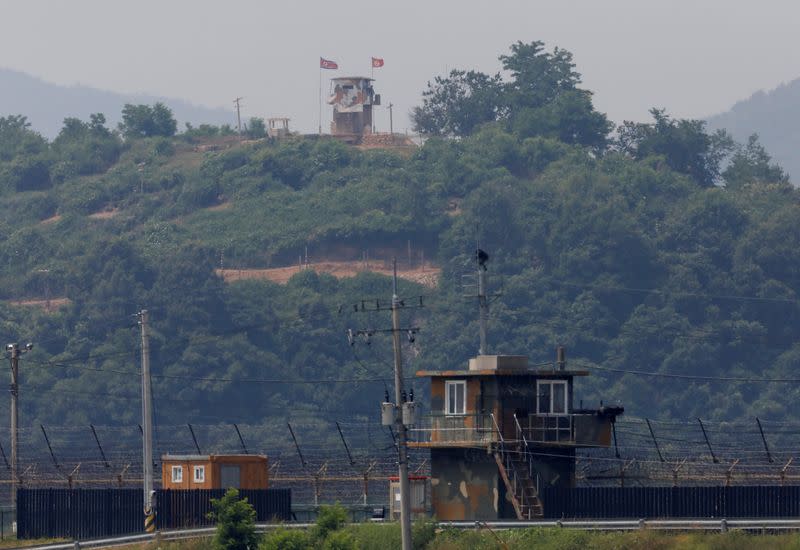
x=693 y=376
x=673 y=293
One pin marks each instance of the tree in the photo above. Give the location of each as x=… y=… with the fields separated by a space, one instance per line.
x=27 y=173
x=751 y=163
x=540 y=99
x=569 y=118
x=17 y=138
x=684 y=144
x=329 y=520
x=537 y=77
x=140 y=121
x=256 y=129
x=458 y=104
x=89 y=147
x=236 y=522
x=24 y=162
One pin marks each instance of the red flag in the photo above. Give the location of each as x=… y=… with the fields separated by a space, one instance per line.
x=327 y=64
x=377 y=62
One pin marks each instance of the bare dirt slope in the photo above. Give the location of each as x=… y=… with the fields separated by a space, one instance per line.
x=48 y=305
x=425 y=275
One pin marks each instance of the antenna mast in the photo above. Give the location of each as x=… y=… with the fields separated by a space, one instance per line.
x=238 y=115
x=481 y=258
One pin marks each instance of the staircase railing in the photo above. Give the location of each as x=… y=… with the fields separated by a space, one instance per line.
x=517 y=486
x=532 y=473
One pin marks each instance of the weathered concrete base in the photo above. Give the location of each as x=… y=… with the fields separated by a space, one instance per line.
x=465 y=485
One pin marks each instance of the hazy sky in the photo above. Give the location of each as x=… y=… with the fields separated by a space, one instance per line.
x=695 y=58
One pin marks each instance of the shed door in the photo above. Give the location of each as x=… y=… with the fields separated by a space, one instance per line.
x=230 y=476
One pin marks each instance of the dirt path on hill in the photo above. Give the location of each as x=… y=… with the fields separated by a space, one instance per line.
x=427 y=275
x=48 y=305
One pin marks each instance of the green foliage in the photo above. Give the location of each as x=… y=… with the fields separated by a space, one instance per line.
x=340 y=540
x=140 y=121
x=386 y=536
x=29 y=173
x=329 y=519
x=203 y=131
x=569 y=118
x=17 y=139
x=684 y=145
x=85 y=148
x=538 y=77
x=381 y=536
x=24 y=165
x=423 y=532
x=235 y=519
x=540 y=99
x=286 y=539
x=459 y=103
x=631 y=262
x=524 y=539
x=256 y=128
x=752 y=165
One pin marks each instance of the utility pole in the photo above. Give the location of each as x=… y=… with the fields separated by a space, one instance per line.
x=14 y=351
x=405 y=508
x=401 y=413
x=147 y=425
x=238 y=115
x=391 y=126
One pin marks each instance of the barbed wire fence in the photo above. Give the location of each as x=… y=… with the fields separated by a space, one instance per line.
x=354 y=464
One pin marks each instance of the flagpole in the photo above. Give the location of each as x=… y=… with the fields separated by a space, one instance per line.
x=320 y=98
x=372 y=76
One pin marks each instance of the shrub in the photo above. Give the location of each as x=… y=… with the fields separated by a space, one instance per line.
x=340 y=540
x=329 y=519
x=422 y=533
x=236 y=522
x=163 y=147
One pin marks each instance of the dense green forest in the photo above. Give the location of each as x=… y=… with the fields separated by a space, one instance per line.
x=658 y=247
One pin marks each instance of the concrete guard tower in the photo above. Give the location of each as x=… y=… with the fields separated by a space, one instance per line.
x=352 y=98
x=499 y=432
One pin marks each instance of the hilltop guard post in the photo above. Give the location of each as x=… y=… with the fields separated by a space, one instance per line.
x=352 y=98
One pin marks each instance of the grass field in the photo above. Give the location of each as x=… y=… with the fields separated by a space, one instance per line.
x=387 y=537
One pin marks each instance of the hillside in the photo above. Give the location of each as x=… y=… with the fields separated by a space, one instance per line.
x=47 y=105
x=775 y=117
x=625 y=251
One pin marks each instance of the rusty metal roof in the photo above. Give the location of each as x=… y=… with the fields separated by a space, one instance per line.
x=539 y=373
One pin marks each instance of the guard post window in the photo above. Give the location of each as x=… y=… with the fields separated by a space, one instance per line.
x=552 y=397
x=455 y=397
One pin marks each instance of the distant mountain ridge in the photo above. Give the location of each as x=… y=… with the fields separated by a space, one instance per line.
x=775 y=117
x=47 y=104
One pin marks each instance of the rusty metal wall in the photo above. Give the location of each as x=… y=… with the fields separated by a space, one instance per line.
x=592 y=430
x=555 y=466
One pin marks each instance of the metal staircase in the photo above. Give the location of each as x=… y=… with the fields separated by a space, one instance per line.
x=515 y=466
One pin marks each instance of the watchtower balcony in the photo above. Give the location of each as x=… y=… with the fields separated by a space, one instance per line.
x=580 y=429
